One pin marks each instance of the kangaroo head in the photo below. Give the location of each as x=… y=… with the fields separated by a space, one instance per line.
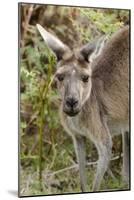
x=74 y=70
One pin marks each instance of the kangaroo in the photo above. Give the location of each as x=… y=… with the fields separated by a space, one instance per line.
x=93 y=82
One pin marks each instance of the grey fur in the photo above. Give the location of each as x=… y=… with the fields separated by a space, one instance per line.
x=100 y=106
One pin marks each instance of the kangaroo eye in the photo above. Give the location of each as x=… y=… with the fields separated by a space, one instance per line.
x=85 y=78
x=60 y=77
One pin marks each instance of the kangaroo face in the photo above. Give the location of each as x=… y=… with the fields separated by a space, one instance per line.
x=74 y=69
x=74 y=85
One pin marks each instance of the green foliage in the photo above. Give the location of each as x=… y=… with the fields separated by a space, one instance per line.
x=44 y=147
x=95 y=22
x=106 y=23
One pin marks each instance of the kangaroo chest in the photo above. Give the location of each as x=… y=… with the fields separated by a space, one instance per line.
x=76 y=126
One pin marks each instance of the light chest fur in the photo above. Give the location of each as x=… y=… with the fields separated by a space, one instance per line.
x=78 y=127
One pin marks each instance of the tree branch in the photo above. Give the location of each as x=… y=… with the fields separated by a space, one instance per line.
x=76 y=166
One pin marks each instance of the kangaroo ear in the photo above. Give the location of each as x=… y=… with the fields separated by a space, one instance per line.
x=58 y=47
x=92 y=50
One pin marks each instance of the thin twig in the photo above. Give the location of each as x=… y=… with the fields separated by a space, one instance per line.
x=26 y=23
x=76 y=166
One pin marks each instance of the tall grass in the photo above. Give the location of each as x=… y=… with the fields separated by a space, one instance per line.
x=44 y=98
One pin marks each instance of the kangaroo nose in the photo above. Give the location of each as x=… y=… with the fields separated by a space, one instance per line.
x=71 y=102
